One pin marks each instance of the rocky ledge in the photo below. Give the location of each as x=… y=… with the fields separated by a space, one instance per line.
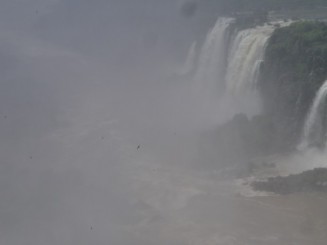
x=309 y=181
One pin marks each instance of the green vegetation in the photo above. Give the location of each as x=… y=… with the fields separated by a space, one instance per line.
x=224 y=6
x=254 y=12
x=295 y=67
x=302 y=49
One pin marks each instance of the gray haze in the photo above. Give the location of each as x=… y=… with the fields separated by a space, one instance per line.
x=100 y=136
x=83 y=83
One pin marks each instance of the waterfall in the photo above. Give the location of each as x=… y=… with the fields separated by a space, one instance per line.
x=314 y=127
x=209 y=73
x=228 y=68
x=190 y=60
x=246 y=55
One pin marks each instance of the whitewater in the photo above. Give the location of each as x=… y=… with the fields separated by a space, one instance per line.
x=314 y=130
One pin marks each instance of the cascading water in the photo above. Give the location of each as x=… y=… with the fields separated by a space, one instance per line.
x=314 y=127
x=190 y=60
x=228 y=68
x=246 y=55
x=212 y=59
x=244 y=60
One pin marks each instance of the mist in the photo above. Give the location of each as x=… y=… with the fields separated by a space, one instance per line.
x=111 y=134
x=90 y=115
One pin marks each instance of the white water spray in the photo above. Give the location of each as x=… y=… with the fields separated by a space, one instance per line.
x=313 y=131
x=244 y=60
x=212 y=59
x=245 y=57
x=190 y=60
x=228 y=68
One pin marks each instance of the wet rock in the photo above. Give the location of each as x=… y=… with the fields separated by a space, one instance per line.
x=309 y=181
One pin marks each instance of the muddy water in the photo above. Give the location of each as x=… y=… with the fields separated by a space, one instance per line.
x=107 y=191
x=192 y=208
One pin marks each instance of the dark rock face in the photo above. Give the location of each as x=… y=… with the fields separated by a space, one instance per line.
x=312 y=180
x=237 y=141
x=295 y=67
